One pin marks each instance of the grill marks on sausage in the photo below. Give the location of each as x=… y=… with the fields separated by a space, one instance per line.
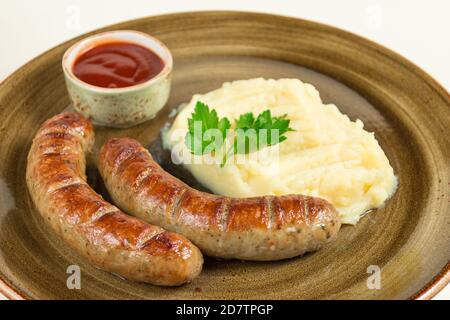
x=103 y=211
x=316 y=208
x=269 y=206
x=248 y=214
x=77 y=204
x=117 y=229
x=131 y=166
x=174 y=209
x=306 y=213
x=224 y=214
x=140 y=177
x=103 y=223
x=199 y=211
x=146 y=236
x=62 y=150
x=258 y=228
x=165 y=242
x=67 y=123
x=165 y=192
x=121 y=158
x=289 y=210
x=159 y=243
x=120 y=154
x=132 y=163
x=96 y=228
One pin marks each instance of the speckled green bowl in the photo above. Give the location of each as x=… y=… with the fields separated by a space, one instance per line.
x=119 y=107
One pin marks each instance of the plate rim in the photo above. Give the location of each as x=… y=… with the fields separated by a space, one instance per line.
x=427 y=292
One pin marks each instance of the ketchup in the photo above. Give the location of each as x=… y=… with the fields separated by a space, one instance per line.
x=117 y=65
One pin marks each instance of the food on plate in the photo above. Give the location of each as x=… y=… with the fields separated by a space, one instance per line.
x=257 y=228
x=96 y=229
x=325 y=154
x=250 y=133
x=118 y=78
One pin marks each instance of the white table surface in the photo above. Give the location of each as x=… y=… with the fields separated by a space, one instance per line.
x=418 y=30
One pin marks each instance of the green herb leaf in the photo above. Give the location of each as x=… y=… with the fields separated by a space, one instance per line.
x=199 y=138
x=250 y=134
x=245 y=121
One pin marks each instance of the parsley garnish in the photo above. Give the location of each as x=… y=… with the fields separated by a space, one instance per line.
x=207 y=133
x=201 y=142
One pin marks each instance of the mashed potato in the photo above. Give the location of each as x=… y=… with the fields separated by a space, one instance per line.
x=327 y=155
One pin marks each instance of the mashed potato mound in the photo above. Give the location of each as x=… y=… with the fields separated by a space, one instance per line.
x=327 y=155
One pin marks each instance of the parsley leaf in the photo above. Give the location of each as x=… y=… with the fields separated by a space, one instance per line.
x=200 y=139
x=250 y=134
x=245 y=121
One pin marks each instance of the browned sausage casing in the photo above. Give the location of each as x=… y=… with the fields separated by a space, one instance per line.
x=259 y=228
x=96 y=229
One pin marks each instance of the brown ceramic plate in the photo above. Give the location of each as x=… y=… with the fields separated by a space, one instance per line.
x=408 y=111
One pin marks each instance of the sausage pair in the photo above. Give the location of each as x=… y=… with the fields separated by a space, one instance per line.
x=97 y=230
x=260 y=228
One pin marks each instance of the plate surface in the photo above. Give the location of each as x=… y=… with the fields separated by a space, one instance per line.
x=408 y=111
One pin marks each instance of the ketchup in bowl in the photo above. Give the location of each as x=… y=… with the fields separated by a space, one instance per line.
x=118 y=78
x=117 y=65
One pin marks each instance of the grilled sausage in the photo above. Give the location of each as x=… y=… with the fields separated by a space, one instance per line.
x=96 y=229
x=258 y=228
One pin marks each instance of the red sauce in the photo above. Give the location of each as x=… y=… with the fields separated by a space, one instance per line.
x=117 y=65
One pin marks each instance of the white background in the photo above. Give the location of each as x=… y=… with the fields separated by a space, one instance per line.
x=418 y=30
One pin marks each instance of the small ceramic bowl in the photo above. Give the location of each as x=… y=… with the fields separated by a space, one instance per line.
x=119 y=107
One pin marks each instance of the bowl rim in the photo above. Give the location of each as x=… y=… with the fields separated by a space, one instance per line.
x=88 y=42
x=428 y=291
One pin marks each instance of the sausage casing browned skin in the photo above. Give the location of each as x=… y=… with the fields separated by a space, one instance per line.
x=96 y=229
x=259 y=228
